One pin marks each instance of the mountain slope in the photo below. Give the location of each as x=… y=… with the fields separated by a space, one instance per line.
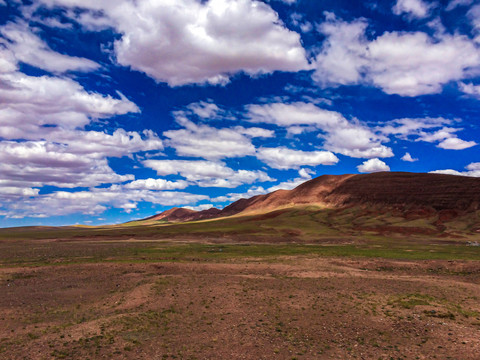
x=409 y=195
x=182 y=214
x=436 y=191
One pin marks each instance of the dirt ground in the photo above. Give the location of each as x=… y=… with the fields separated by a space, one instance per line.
x=301 y=307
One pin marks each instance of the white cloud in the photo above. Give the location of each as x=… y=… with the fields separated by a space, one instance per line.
x=414 y=8
x=156 y=184
x=373 y=165
x=414 y=126
x=299 y=21
x=42 y=122
x=447 y=172
x=42 y=163
x=474 y=16
x=47 y=114
x=305 y=175
x=30 y=49
x=70 y=158
x=27 y=103
x=232 y=197
x=396 y=70
x=200 y=207
x=407 y=157
x=289 y=2
x=473 y=166
x=198 y=42
x=456 y=3
x=53 y=22
x=15 y=192
x=350 y=138
x=204 y=110
x=255 y=132
x=344 y=52
x=96 y=144
x=95 y=201
x=208 y=142
x=284 y=158
x=470 y=89
x=8 y=63
x=207 y=173
x=432 y=130
x=455 y=143
x=473 y=170
x=59 y=155
x=403 y=63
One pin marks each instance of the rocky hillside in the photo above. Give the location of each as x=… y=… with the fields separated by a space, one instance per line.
x=411 y=194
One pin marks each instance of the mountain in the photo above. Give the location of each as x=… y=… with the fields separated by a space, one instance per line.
x=182 y=214
x=410 y=194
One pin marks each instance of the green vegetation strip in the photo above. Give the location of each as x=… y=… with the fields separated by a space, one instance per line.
x=78 y=253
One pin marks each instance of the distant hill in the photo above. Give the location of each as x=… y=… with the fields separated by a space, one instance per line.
x=410 y=195
x=182 y=214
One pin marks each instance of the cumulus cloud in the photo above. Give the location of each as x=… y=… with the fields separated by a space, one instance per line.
x=407 y=157
x=403 y=63
x=43 y=163
x=28 y=103
x=48 y=113
x=436 y=62
x=473 y=170
x=200 y=207
x=305 y=175
x=255 y=132
x=474 y=16
x=350 y=138
x=95 y=201
x=284 y=158
x=232 y=197
x=207 y=173
x=187 y=41
x=432 y=130
x=29 y=48
x=156 y=184
x=11 y=189
x=470 y=89
x=98 y=144
x=203 y=141
x=456 y=3
x=454 y=143
x=373 y=165
x=71 y=158
x=205 y=109
x=8 y=63
x=413 y=8
x=344 y=53
x=43 y=141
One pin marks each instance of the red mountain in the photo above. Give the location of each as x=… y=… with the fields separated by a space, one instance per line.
x=409 y=192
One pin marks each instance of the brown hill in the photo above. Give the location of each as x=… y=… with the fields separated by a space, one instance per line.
x=409 y=192
x=173 y=214
x=182 y=214
x=392 y=189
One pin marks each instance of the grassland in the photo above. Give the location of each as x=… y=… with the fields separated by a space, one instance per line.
x=296 y=284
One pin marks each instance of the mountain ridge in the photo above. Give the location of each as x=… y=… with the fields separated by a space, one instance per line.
x=415 y=193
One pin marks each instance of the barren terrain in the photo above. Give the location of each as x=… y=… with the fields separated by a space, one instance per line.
x=151 y=299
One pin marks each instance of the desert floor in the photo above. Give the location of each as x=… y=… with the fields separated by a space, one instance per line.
x=59 y=299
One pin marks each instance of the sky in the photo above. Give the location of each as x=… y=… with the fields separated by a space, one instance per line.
x=117 y=110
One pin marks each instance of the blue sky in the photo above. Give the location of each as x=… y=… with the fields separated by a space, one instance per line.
x=117 y=110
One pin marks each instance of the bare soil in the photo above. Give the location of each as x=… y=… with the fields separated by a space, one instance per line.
x=295 y=307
